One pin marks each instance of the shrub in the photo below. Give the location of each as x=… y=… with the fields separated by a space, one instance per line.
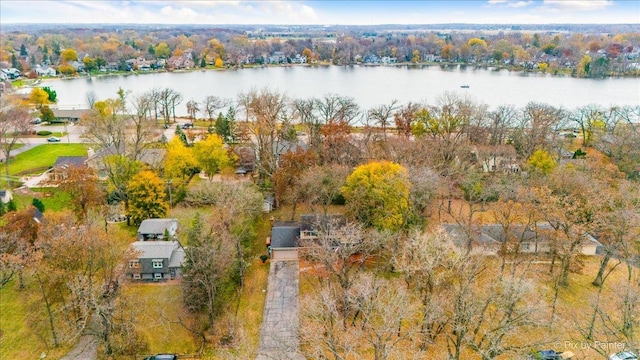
x=44 y=133
x=38 y=204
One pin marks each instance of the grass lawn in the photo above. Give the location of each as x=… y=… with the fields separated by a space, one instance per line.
x=52 y=198
x=44 y=156
x=18 y=317
x=160 y=309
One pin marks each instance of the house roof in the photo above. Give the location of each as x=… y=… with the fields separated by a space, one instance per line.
x=177 y=257
x=157 y=249
x=313 y=221
x=148 y=156
x=66 y=161
x=494 y=234
x=156 y=226
x=285 y=235
x=71 y=114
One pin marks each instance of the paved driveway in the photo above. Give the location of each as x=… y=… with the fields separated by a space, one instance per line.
x=280 y=322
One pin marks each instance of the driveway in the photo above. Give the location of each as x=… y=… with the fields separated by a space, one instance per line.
x=280 y=322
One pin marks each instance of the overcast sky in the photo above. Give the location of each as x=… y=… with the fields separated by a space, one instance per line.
x=323 y=12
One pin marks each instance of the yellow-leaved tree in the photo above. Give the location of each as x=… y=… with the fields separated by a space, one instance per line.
x=377 y=195
x=147 y=197
x=38 y=97
x=541 y=162
x=179 y=161
x=212 y=156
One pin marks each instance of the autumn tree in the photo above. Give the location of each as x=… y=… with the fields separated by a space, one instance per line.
x=287 y=179
x=80 y=273
x=180 y=160
x=14 y=121
x=38 y=97
x=541 y=162
x=377 y=195
x=146 y=194
x=322 y=184
x=208 y=266
x=446 y=124
x=81 y=183
x=212 y=156
x=537 y=128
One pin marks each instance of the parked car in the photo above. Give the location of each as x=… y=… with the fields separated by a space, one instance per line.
x=624 y=355
x=162 y=357
x=187 y=125
x=552 y=355
x=36 y=121
x=53 y=139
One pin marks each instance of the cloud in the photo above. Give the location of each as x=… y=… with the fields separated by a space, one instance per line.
x=510 y=3
x=578 y=5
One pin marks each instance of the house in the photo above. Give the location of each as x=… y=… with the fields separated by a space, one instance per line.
x=277 y=58
x=96 y=159
x=63 y=163
x=286 y=236
x=11 y=73
x=284 y=240
x=45 y=71
x=488 y=239
x=155 y=229
x=156 y=260
x=6 y=196
x=73 y=115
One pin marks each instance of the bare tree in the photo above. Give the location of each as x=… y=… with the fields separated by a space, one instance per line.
x=537 y=128
x=381 y=115
x=590 y=119
x=267 y=111
x=143 y=126
x=192 y=109
x=103 y=126
x=168 y=99
x=211 y=104
x=14 y=122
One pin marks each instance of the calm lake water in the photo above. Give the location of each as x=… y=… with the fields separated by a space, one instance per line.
x=370 y=86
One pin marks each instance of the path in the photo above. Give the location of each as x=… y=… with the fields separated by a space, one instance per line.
x=85 y=349
x=280 y=323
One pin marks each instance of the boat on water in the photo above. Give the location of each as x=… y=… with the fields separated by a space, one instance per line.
x=464 y=86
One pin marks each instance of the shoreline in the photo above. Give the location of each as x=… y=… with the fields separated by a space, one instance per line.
x=449 y=65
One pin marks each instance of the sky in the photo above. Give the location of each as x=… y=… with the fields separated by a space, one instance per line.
x=320 y=12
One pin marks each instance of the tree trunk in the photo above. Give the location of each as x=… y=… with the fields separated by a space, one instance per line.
x=603 y=265
x=49 y=312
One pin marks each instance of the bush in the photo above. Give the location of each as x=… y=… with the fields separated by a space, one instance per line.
x=38 y=204
x=44 y=133
x=264 y=258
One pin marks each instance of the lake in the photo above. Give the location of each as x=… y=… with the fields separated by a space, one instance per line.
x=369 y=86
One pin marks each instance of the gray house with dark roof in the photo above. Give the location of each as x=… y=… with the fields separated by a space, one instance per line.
x=488 y=239
x=156 y=260
x=155 y=229
x=284 y=240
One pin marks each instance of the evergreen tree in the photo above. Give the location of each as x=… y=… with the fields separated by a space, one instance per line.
x=38 y=204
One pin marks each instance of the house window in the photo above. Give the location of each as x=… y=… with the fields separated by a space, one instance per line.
x=525 y=246
x=157 y=276
x=157 y=263
x=134 y=264
x=136 y=276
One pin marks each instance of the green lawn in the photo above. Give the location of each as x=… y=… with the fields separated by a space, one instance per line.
x=52 y=198
x=43 y=156
x=22 y=321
